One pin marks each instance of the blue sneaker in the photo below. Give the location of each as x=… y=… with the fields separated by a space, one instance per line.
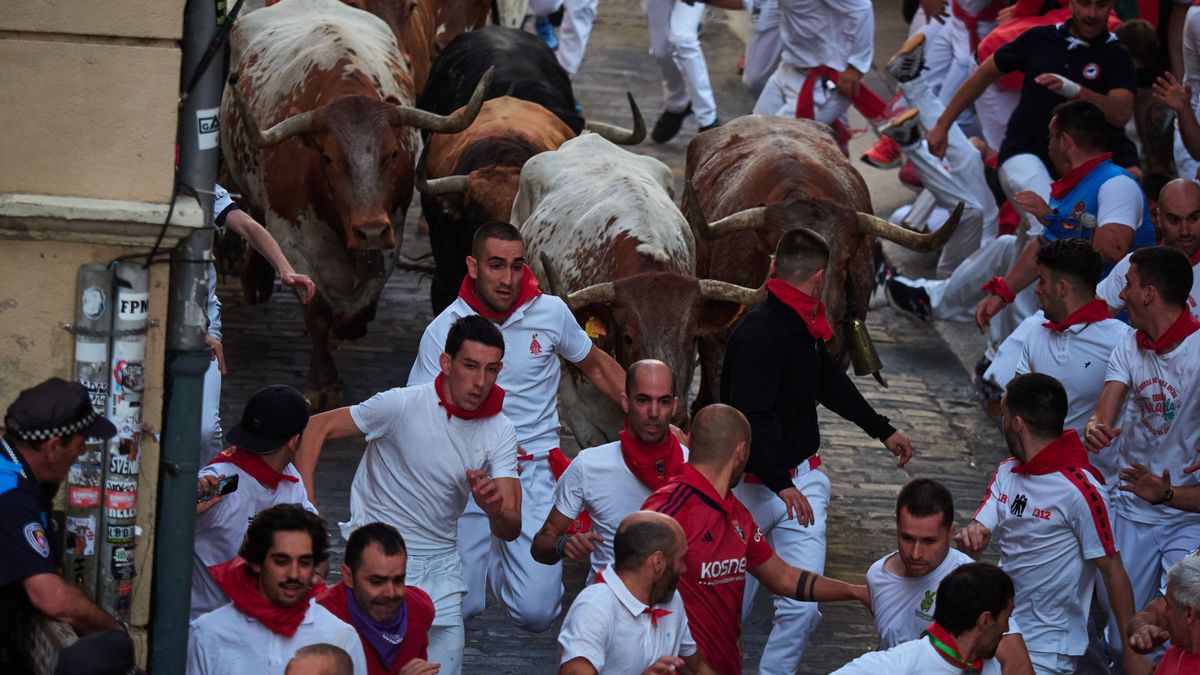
x=546 y=31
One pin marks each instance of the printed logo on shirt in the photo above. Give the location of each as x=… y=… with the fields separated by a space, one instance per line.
x=1018 y=505
x=535 y=347
x=737 y=527
x=723 y=571
x=707 y=537
x=1158 y=401
x=36 y=536
x=1086 y=364
x=1091 y=71
x=930 y=596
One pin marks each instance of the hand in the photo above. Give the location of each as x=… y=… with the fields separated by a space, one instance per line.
x=986 y=309
x=1068 y=89
x=849 y=82
x=797 y=506
x=1176 y=95
x=300 y=283
x=1005 y=15
x=1143 y=483
x=1147 y=637
x=664 y=664
x=218 y=351
x=935 y=10
x=420 y=667
x=900 y=446
x=1097 y=435
x=974 y=537
x=207 y=485
x=483 y=488
x=1032 y=203
x=581 y=545
x=935 y=139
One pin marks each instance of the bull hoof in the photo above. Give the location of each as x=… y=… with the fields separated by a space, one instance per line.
x=324 y=397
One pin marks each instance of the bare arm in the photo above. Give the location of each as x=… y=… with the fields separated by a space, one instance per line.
x=545 y=543
x=1147 y=629
x=261 y=240
x=1112 y=242
x=1117 y=104
x=604 y=372
x=326 y=426
x=1022 y=273
x=1120 y=598
x=1013 y=656
x=500 y=500
x=61 y=601
x=1142 y=482
x=1178 y=97
x=971 y=89
x=1099 y=432
x=792 y=582
x=577 y=666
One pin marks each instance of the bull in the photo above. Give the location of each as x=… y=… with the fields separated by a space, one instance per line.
x=760 y=176
x=602 y=229
x=320 y=136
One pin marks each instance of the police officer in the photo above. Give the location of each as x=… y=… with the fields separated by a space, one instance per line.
x=45 y=431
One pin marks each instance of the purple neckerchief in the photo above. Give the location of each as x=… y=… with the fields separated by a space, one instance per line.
x=384 y=638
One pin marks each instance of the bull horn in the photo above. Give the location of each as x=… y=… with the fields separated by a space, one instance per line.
x=711 y=289
x=440 y=186
x=748 y=219
x=620 y=135
x=600 y=293
x=408 y=116
x=300 y=123
x=553 y=282
x=933 y=241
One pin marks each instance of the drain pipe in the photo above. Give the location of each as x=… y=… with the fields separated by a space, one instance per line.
x=187 y=355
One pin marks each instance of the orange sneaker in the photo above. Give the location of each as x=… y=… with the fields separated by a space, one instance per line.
x=885 y=154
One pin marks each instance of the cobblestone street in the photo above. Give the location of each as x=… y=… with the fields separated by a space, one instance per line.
x=930 y=396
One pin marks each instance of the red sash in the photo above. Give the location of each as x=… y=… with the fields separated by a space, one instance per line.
x=989 y=13
x=255 y=466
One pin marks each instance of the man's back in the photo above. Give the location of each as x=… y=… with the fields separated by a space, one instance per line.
x=917 y=657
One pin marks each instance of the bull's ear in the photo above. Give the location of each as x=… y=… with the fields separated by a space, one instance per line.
x=392 y=100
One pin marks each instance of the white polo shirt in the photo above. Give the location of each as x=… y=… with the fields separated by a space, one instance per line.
x=916 y=656
x=610 y=628
x=1047 y=527
x=1077 y=357
x=226 y=641
x=1160 y=424
x=904 y=606
x=534 y=334
x=1110 y=287
x=599 y=480
x=413 y=474
x=220 y=530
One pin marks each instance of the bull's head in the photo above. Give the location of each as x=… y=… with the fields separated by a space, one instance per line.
x=365 y=166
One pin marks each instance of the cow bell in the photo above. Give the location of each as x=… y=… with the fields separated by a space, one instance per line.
x=862 y=351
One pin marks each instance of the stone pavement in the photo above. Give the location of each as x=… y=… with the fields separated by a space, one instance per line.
x=930 y=397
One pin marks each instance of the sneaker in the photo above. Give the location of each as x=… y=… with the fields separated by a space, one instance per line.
x=909 y=299
x=910 y=177
x=902 y=130
x=906 y=64
x=668 y=124
x=885 y=154
x=715 y=123
x=545 y=30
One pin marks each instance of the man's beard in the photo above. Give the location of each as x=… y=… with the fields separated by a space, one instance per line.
x=1015 y=447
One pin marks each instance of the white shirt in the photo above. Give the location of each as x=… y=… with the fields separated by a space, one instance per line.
x=609 y=627
x=1160 y=424
x=1078 y=358
x=1110 y=287
x=226 y=641
x=834 y=33
x=220 y=530
x=599 y=480
x=1046 y=528
x=413 y=474
x=904 y=606
x=535 y=333
x=918 y=657
x=222 y=202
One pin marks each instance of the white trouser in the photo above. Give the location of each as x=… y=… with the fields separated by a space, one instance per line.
x=1051 y=663
x=954 y=299
x=1026 y=172
x=440 y=575
x=949 y=61
x=578 y=16
x=1004 y=363
x=993 y=108
x=763 y=45
x=543 y=7
x=803 y=547
x=530 y=592
x=211 y=436
x=781 y=92
x=675 y=45
x=957 y=178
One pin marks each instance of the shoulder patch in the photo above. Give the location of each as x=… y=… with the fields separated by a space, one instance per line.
x=36 y=538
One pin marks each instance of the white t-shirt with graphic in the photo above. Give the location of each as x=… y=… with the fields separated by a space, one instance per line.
x=904 y=606
x=1110 y=287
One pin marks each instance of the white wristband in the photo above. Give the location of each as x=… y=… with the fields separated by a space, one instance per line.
x=1070 y=89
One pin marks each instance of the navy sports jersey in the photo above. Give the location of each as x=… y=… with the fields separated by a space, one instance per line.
x=27 y=547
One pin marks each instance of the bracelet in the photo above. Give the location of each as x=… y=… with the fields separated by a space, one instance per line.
x=1167 y=497
x=999 y=288
x=560 y=547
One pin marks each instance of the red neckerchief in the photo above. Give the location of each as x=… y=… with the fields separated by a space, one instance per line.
x=943 y=643
x=491 y=404
x=1195 y=257
x=809 y=309
x=1064 y=452
x=651 y=464
x=1063 y=186
x=1184 y=326
x=240 y=584
x=529 y=290
x=654 y=612
x=255 y=466
x=1096 y=310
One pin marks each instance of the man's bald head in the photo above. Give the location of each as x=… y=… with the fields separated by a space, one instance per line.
x=641 y=534
x=1180 y=188
x=1179 y=215
x=648 y=373
x=717 y=430
x=320 y=659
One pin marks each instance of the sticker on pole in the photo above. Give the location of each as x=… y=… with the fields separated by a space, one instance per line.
x=81 y=535
x=85 y=497
x=208 y=128
x=94 y=301
x=120 y=499
x=133 y=306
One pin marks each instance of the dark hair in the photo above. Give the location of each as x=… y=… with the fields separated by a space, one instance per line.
x=385 y=536
x=1167 y=269
x=800 y=254
x=924 y=497
x=969 y=591
x=341 y=659
x=1141 y=39
x=637 y=541
x=494 y=229
x=475 y=328
x=284 y=518
x=1084 y=121
x=1040 y=401
x=1076 y=260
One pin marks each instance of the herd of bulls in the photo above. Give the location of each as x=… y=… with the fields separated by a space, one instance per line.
x=336 y=113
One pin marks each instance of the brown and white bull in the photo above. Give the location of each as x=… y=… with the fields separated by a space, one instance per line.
x=602 y=230
x=320 y=136
x=757 y=177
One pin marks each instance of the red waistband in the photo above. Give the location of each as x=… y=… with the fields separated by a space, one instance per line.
x=810 y=464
